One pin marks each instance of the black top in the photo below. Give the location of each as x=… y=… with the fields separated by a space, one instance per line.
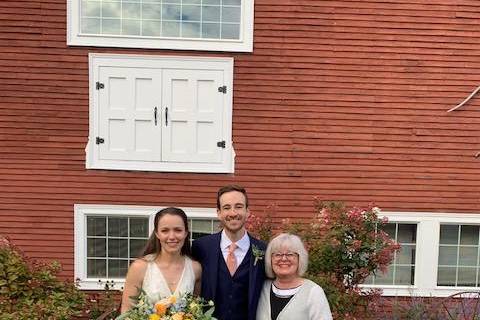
x=277 y=303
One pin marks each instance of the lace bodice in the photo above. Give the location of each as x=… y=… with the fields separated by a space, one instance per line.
x=155 y=285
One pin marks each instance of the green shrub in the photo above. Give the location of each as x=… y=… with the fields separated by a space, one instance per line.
x=106 y=301
x=31 y=290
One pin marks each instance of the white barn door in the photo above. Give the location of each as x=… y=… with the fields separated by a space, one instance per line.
x=129 y=114
x=193 y=109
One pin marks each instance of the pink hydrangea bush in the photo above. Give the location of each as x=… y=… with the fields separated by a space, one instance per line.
x=345 y=246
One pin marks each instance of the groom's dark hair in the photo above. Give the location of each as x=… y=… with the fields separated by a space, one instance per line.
x=230 y=188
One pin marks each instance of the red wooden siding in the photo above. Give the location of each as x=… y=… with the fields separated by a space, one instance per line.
x=344 y=100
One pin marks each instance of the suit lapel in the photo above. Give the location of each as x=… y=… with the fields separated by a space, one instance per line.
x=214 y=257
x=252 y=274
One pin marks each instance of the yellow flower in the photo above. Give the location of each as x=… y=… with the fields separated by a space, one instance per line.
x=154 y=317
x=173 y=299
x=178 y=316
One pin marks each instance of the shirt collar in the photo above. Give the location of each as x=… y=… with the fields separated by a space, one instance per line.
x=243 y=243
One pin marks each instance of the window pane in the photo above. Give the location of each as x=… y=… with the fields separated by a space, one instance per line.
x=91 y=26
x=404 y=275
x=151 y=28
x=96 y=247
x=111 y=10
x=447 y=256
x=467 y=277
x=91 y=8
x=387 y=278
x=211 y=30
x=170 y=29
x=468 y=256
x=139 y=227
x=117 y=268
x=118 y=227
x=231 y=14
x=136 y=247
x=118 y=248
x=202 y=227
x=407 y=233
x=131 y=10
x=190 y=30
x=230 y=31
x=211 y=13
x=446 y=276
x=96 y=268
x=152 y=11
x=390 y=229
x=111 y=26
x=191 y=13
x=449 y=234
x=171 y=12
x=370 y=279
x=406 y=255
x=96 y=226
x=469 y=235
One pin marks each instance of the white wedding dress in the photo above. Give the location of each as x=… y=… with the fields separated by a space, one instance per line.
x=155 y=285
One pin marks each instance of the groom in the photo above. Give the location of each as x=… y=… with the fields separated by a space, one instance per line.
x=232 y=261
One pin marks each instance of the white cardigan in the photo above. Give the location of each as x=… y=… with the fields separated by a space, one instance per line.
x=309 y=303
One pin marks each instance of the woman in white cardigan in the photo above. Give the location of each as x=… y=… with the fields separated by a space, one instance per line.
x=288 y=296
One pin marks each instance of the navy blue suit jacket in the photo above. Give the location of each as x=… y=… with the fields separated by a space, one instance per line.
x=206 y=250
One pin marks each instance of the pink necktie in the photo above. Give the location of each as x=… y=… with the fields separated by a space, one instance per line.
x=231 y=260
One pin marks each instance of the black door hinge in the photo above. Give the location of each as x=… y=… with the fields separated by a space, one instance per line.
x=99 y=140
x=222 y=89
x=221 y=144
x=99 y=85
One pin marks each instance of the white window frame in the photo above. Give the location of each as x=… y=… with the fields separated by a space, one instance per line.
x=244 y=44
x=426 y=256
x=81 y=211
x=147 y=61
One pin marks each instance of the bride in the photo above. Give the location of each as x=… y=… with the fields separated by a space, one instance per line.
x=165 y=268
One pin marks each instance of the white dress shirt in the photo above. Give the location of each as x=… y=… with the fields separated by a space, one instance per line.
x=242 y=247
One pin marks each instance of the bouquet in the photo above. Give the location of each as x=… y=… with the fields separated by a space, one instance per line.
x=184 y=307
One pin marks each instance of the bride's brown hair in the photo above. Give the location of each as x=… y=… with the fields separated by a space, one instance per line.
x=153 y=244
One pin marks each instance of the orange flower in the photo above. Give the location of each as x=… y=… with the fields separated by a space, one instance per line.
x=160 y=309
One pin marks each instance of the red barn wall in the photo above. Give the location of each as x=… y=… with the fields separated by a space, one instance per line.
x=340 y=100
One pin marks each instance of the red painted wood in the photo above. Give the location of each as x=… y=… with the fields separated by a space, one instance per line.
x=340 y=100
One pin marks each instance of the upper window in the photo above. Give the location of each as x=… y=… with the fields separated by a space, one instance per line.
x=160 y=113
x=108 y=238
x=218 y=25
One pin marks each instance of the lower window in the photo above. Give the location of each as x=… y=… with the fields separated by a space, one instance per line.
x=108 y=238
x=458 y=258
x=439 y=255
